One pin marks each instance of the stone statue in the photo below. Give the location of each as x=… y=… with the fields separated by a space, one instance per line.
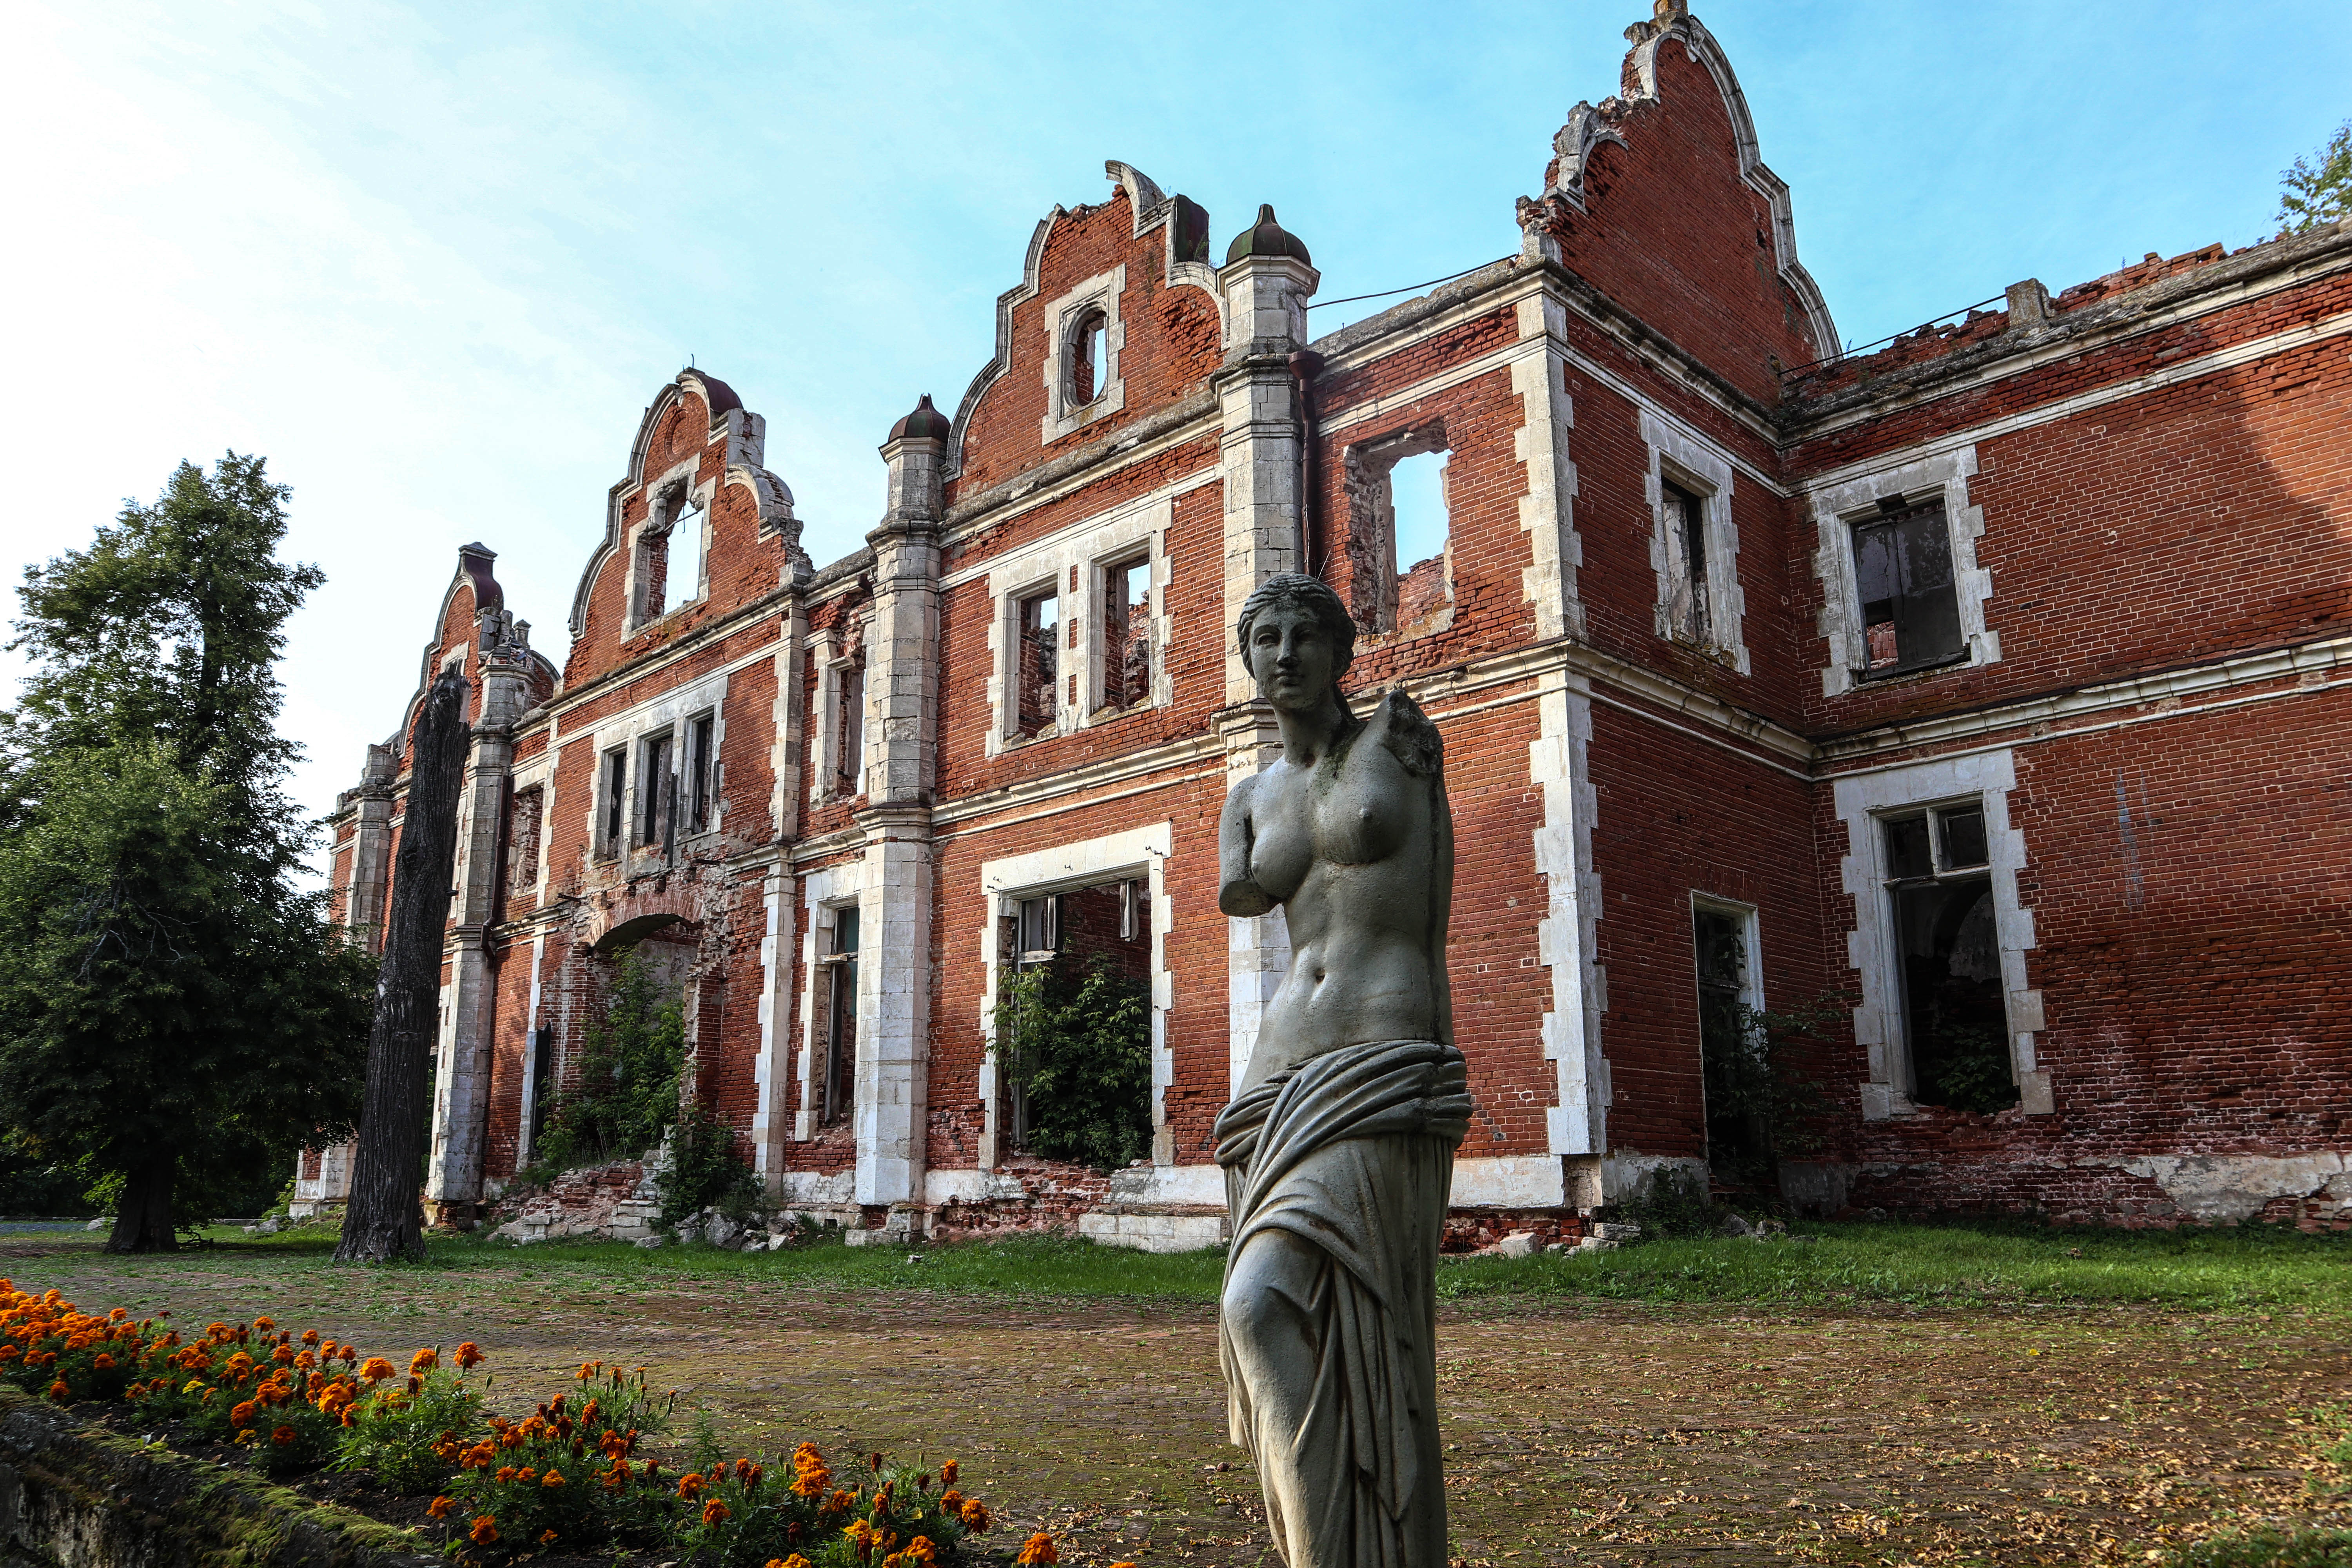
x=1338 y=1147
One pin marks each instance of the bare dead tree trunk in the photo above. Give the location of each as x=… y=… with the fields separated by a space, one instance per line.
x=382 y=1221
x=142 y=1221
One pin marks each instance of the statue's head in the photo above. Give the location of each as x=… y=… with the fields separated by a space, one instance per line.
x=1298 y=639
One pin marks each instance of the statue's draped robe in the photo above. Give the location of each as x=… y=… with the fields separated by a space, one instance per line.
x=1352 y=1153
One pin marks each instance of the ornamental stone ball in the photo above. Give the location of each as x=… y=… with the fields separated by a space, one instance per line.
x=1338 y=1147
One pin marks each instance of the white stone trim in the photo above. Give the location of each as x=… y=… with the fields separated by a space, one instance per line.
x=668 y=711
x=827 y=653
x=1871 y=941
x=1678 y=453
x=1751 y=943
x=1548 y=512
x=822 y=893
x=1836 y=507
x=660 y=513
x=1560 y=764
x=1053 y=560
x=1063 y=417
x=769 y=1070
x=1137 y=852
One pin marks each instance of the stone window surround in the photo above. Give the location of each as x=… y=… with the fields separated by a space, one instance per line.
x=1837 y=508
x=669 y=711
x=1139 y=852
x=1380 y=454
x=539 y=773
x=1698 y=467
x=662 y=498
x=1862 y=801
x=823 y=892
x=1048 y=562
x=1751 y=938
x=826 y=655
x=1101 y=292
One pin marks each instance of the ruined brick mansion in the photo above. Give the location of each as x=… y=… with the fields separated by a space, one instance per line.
x=1995 y=686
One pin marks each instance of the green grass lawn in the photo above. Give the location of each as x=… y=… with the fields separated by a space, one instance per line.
x=2250 y=1268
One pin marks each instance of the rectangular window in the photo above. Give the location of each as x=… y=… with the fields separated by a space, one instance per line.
x=616 y=784
x=1127 y=633
x=1910 y=604
x=1734 y=1070
x=689 y=533
x=656 y=788
x=1400 y=531
x=840 y=968
x=702 y=771
x=1039 y=932
x=1955 y=1017
x=849 y=722
x=1041 y=664
x=1686 y=539
x=542 y=1085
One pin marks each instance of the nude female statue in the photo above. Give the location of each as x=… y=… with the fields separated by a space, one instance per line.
x=1338 y=1148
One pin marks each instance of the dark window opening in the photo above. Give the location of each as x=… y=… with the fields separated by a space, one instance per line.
x=542 y=1084
x=1127 y=633
x=1688 y=613
x=1400 y=533
x=1040 y=676
x=1089 y=357
x=840 y=967
x=1955 y=1016
x=1735 y=1067
x=1910 y=602
x=616 y=780
x=849 y=722
x=1073 y=1025
x=655 y=791
x=702 y=771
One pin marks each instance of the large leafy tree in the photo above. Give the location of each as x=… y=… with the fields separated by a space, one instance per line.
x=2311 y=193
x=172 y=1005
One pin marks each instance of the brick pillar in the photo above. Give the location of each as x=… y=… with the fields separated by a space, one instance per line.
x=461 y=1096
x=894 y=1002
x=1266 y=281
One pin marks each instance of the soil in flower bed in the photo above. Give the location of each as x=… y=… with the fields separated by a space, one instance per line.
x=1579 y=1430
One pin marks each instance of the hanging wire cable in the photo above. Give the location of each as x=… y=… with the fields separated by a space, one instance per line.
x=1881 y=342
x=1408 y=289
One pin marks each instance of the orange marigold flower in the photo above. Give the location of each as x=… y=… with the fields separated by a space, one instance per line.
x=975 y=1515
x=1038 y=1550
x=424 y=1361
x=547 y=1537
x=921 y=1550
x=689 y=1485
x=265 y=1325
x=484 y=1530
x=241 y=1415
x=59 y=1391
x=283 y=1436
x=951 y=1501
x=439 y=1508
x=794 y=1561
x=104 y=1362
x=948 y=1473
x=527 y=1475
x=506 y=1473
x=376 y=1370
x=587 y=1371
x=311 y=1337
x=714 y=1512
x=1123 y=1565
x=469 y=1356
x=552 y=1479
x=858 y=1532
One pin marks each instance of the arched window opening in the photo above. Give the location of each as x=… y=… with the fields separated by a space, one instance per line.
x=1089 y=356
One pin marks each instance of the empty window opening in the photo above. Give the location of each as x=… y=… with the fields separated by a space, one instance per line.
x=1910 y=604
x=1686 y=539
x=690 y=535
x=1041 y=664
x=1127 y=633
x=1090 y=350
x=522 y=843
x=1073 y=1025
x=1401 y=533
x=1734 y=1053
x=1955 y=1018
x=849 y=727
x=543 y=1088
x=656 y=788
x=839 y=1086
x=702 y=771
x=616 y=780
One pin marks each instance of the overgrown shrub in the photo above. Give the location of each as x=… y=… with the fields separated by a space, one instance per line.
x=1077 y=1046
x=1761 y=1107
x=627 y=1094
x=705 y=1172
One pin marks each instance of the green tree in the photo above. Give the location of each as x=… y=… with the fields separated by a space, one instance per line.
x=625 y=1098
x=2311 y=194
x=172 y=1009
x=1079 y=1046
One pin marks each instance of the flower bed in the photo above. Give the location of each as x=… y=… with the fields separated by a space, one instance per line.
x=568 y=1478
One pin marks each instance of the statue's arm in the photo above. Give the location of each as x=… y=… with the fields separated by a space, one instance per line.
x=1237 y=892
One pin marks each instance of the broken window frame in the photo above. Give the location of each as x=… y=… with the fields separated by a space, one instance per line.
x=838 y=1086
x=1125 y=626
x=1377 y=574
x=1744 y=990
x=612 y=821
x=1085 y=356
x=1037 y=943
x=1953 y=831
x=848 y=780
x=526 y=827
x=1683 y=505
x=1925 y=615
x=1034 y=709
x=701 y=773
x=656 y=792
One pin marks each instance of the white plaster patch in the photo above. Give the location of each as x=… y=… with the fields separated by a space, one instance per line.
x=2228 y=1189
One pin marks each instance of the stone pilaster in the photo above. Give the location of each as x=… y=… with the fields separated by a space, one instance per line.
x=363 y=896
x=1266 y=282
x=894 y=1000
x=461 y=1096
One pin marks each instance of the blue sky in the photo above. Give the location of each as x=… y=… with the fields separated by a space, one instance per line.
x=434 y=260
